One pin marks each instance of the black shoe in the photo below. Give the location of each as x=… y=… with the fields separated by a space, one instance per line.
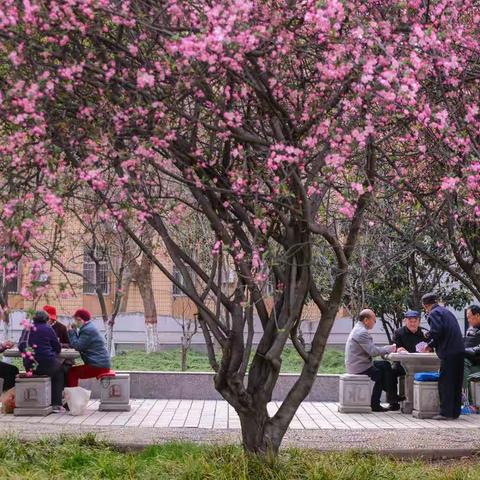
x=442 y=417
x=394 y=407
x=396 y=399
x=379 y=408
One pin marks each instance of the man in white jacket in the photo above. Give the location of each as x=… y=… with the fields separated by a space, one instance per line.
x=359 y=352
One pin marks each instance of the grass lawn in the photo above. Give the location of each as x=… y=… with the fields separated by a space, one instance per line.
x=84 y=458
x=169 y=360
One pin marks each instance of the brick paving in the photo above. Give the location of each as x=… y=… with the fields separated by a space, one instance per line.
x=219 y=415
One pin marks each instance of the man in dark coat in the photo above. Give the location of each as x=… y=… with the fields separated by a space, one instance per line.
x=447 y=340
x=407 y=338
x=411 y=334
x=472 y=346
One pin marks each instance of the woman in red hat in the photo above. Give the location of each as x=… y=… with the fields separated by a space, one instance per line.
x=85 y=338
x=59 y=328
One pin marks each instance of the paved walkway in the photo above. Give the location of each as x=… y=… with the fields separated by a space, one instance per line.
x=219 y=415
x=317 y=425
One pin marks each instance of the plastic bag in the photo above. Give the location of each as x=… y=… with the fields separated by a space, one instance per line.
x=8 y=401
x=426 y=376
x=77 y=399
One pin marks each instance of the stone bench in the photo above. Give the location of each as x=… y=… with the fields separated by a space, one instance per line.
x=355 y=394
x=33 y=396
x=426 y=401
x=114 y=392
x=474 y=387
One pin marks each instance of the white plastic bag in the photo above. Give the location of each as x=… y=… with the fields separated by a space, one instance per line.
x=77 y=399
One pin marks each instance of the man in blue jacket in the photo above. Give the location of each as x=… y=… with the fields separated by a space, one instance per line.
x=447 y=340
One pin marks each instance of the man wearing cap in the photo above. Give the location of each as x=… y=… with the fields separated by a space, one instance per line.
x=59 y=328
x=447 y=340
x=406 y=339
x=85 y=338
x=411 y=334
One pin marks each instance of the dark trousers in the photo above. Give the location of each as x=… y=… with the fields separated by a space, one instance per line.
x=56 y=374
x=385 y=379
x=450 y=384
x=8 y=373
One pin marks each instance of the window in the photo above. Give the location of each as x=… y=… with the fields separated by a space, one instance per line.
x=95 y=273
x=269 y=288
x=176 y=290
x=13 y=284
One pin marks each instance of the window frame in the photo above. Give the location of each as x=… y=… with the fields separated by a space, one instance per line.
x=176 y=291
x=87 y=284
x=16 y=280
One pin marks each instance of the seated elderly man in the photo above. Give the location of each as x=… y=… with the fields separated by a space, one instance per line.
x=359 y=352
x=472 y=346
x=407 y=338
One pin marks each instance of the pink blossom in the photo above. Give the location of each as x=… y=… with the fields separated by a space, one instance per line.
x=145 y=79
x=348 y=210
x=449 y=183
x=216 y=247
x=358 y=187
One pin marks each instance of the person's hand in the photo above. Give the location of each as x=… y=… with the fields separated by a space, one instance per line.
x=402 y=350
x=7 y=344
x=393 y=348
x=427 y=349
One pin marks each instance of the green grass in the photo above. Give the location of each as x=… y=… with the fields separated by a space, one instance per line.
x=85 y=458
x=169 y=360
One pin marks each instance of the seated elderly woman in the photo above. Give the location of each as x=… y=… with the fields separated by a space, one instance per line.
x=85 y=338
x=41 y=347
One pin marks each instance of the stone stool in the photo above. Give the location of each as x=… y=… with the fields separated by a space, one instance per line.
x=355 y=394
x=33 y=396
x=114 y=392
x=426 y=402
x=474 y=387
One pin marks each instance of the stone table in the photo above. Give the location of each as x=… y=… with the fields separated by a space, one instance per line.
x=413 y=363
x=66 y=353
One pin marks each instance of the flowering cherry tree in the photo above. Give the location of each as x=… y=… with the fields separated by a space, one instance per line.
x=274 y=120
x=437 y=209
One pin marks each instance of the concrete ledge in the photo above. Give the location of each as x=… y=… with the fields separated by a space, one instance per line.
x=199 y=386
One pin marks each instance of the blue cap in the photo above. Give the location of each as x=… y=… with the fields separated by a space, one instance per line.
x=411 y=314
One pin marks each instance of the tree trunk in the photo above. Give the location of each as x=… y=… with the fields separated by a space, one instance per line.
x=6 y=326
x=258 y=434
x=184 y=356
x=5 y=312
x=144 y=282
x=109 y=339
x=152 y=344
x=387 y=327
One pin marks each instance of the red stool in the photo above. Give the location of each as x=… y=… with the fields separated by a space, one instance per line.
x=111 y=373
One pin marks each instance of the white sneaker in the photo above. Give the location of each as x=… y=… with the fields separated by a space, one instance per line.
x=58 y=409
